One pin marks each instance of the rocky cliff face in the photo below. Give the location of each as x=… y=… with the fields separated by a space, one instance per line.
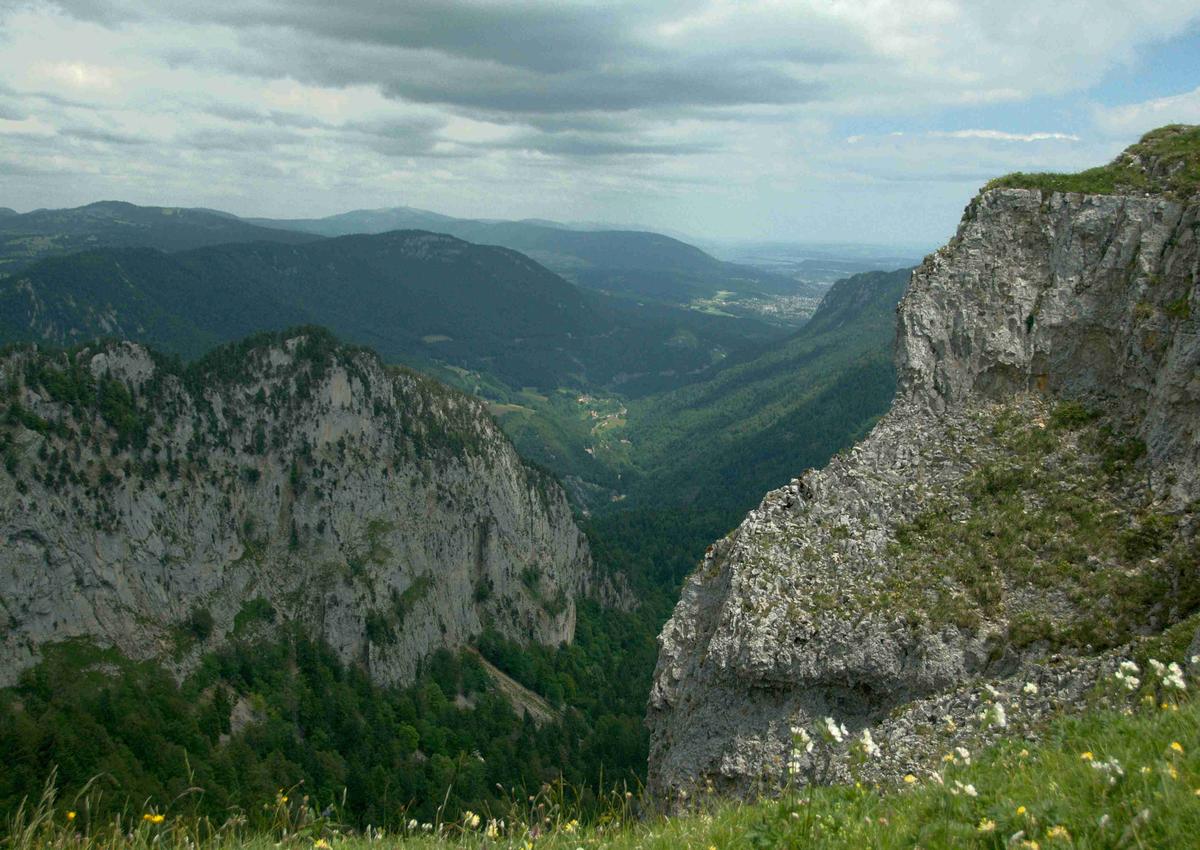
x=161 y=509
x=1028 y=507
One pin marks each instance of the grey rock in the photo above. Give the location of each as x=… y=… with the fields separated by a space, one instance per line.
x=386 y=514
x=795 y=615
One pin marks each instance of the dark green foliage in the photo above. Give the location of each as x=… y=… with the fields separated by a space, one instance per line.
x=200 y=623
x=394 y=753
x=413 y=296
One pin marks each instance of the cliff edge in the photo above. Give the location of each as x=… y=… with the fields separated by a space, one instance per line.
x=1026 y=509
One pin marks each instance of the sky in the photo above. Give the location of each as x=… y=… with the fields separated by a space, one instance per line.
x=866 y=121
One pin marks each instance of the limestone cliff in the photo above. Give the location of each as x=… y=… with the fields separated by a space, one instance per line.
x=160 y=509
x=1027 y=507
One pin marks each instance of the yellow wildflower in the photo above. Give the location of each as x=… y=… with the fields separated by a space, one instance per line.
x=909 y=778
x=321 y=844
x=1058 y=831
x=1087 y=756
x=1030 y=844
x=70 y=816
x=1171 y=770
x=153 y=818
x=948 y=757
x=1024 y=754
x=1020 y=810
x=986 y=825
x=571 y=826
x=1176 y=746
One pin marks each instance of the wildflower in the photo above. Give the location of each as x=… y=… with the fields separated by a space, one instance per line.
x=412 y=825
x=1157 y=666
x=1024 y=754
x=1020 y=810
x=70 y=816
x=150 y=817
x=470 y=819
x=1197 y=792
x=1176 y=746
x=571 y=826
x=321 y=844
x=1104 y=821
x=986 y=825
x=948 y=758
x=1172 y=771
x=835 y=731
x=426 y=827
x=493 y=828
x=909 y=778
x=869 y=747
x=802 y=739
x=1144 y=770
x=1030 y=688
x=1087 y=756
x=1111 y=769
x=998 y=717
x=1058 y=831
x=1174 y=677
x=951 y=726
x=1030 y=844
x=964 y=754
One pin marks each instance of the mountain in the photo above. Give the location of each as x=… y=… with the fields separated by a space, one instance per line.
x=627 y=262
x=162 y=510
x=1023 y=518
x=26 y=238
x=413 y=296
x=726 y=438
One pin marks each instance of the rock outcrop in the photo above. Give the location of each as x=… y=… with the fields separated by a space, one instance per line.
x=1027 y=507
x=160 y=509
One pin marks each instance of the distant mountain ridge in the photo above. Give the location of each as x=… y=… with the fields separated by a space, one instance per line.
x=414 y=296
x=28 y=237
x=628 y=262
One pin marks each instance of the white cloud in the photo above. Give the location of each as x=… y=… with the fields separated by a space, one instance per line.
x=1001 y=136
x=713 y=115
x=1138 y=117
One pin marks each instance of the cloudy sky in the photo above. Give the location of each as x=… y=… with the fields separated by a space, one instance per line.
x=864 y=120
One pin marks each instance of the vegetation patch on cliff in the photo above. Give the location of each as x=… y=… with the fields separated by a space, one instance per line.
x=1165 y=161
x=1055 y=530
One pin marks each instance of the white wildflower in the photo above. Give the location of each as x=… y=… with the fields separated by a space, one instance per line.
x=1173 y=678
x=964 y=754
x=1157 y=666
x=834 y=731
x=1129 y=668
x=1030 y=688
x=801 y=740
x=998 y=716
x=869 y=747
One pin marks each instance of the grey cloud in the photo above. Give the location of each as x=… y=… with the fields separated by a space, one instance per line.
x=108 y=137
x=252 y=139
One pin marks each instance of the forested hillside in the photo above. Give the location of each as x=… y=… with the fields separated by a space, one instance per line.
x=414 y=297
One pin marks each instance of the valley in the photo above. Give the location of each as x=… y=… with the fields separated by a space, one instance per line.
x=395 y=516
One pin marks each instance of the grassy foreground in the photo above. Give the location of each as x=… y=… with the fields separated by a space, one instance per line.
x=1126 y=775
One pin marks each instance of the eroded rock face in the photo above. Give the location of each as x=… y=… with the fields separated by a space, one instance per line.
x=294 y=480
x=884 y=590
